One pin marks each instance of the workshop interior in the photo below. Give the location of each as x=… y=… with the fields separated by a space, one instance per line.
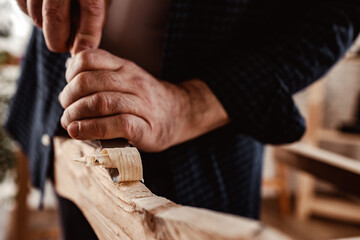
x=310 y=189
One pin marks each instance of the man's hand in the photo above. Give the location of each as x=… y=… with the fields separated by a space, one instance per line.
x=57 y=20
x=109 y=97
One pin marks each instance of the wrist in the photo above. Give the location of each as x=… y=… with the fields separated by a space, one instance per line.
x=200 y=111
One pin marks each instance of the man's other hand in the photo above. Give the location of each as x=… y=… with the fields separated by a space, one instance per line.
x=66 y=29
x=109 y=97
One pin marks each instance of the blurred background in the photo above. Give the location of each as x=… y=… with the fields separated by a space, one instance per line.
x=297 y=203
x=15 y=190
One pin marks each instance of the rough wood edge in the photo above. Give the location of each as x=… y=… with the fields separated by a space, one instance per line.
x=131 y=211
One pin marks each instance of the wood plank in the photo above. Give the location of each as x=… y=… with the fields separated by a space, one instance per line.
x=311 y=229
x=338 y=170
x=324 y=156
x=330 y=135
x=131 y=211
x=338 y=209
x=305 y=194
x=19 y=227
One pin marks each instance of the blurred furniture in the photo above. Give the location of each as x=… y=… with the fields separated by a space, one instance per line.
x=130 y=211
x=279 y=183
x=315 y=163
x=20 y=229
x=342 y=172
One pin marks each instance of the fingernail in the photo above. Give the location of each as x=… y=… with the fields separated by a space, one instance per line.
x=73 y=129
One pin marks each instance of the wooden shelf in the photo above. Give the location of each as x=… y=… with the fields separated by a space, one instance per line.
x=333 y=168
x=329 y=135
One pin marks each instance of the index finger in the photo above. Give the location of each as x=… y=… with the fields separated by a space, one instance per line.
x=56 y=24
x=89 y=60
x=91 y=22
x=22 y=5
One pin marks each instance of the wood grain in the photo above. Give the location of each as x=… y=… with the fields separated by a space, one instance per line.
x=131 y=211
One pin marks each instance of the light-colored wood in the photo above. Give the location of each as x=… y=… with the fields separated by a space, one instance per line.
x=311 y=229
x=323 y=156
x=305 y=191
x=131 y=211
x=325 y=165
x=278 y=183
x=19 y=229
x=304 y=195
x=330 y=167
x=315 y=107
x=284 y=195
x=53 y=233
x=329 y=135
x=335 y=208
x=334 y=169
x=272 y=183
x=340 y=171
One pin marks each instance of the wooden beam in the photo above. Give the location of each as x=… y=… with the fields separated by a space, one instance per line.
x=131 y=211
x=334 y=136
x=334 y=208
x=19 y=227
x=338 y=170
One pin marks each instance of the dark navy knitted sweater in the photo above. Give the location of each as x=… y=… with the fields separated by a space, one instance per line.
x=253 y=54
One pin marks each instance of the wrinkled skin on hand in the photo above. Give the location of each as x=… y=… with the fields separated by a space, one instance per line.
x=68 y=25
x=109 y=97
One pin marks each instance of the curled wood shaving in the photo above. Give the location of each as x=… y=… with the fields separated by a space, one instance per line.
x=127 y=160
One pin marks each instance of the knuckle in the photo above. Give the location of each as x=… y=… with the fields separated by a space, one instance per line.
x=86 y=58
x=93 y=8
x=98 y=103
x=94 y=103
x=104 y=75
x=125 y=103
x=54 y=15
x=130 y=128
x=136 y=75
x=87 y=40
x=62 y=99
x=67 y=97
x=126 y=126
x=72 y=97
x=129 y=64
x=140 y=82
x=82 y=81
x=67 y=118
x=63 y=121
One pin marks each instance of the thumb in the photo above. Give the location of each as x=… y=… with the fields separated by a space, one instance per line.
x=91 y=20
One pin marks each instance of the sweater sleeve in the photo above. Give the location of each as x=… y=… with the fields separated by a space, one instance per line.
x=256 y=86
